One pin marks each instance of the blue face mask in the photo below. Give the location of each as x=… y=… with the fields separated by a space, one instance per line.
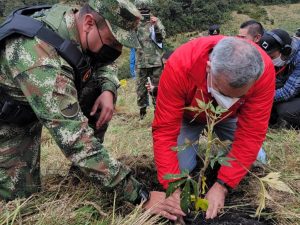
x=223 y=101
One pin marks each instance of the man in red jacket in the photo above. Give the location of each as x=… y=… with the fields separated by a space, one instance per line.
x=235 y=74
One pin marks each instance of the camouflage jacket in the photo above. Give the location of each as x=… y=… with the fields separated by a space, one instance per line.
x=149 y=55
x=32 y=72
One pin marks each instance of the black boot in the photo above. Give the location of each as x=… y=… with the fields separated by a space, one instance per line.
x=143 y=112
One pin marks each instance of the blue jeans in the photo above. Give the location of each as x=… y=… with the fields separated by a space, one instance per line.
x=191 y=131
x=132 y=62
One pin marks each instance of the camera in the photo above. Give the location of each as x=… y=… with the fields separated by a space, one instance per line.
x=146 y=14
x=146 y=17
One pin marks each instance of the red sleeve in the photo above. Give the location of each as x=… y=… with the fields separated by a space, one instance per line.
x=252 y=127
x=167 y=121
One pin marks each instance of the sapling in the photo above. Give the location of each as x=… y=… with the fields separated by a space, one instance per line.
x=194 y=191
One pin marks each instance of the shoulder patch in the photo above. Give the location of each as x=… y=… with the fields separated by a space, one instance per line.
x=69 y=107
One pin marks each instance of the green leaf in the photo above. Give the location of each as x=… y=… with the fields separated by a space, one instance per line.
x=212 y=162
x=175 y=149
x=173 y=186
x=212 y=108
x=192 y=108
x=195 y=117
x=220 y=153
x=201 y=104
x=195 y=189
x=208 y=105
x=186 y=172
x=187 y=141
x=175 y=176
x=201 y=203
x=224 y=161
x=186 y=196
x=179 y=148
x=220 y=110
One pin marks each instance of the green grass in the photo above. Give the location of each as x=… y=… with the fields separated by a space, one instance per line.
x=286 y=17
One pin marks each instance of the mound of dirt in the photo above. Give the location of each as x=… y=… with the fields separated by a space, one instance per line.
x=143 y=168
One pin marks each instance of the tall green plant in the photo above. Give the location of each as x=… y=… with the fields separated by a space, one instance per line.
x=194 y=191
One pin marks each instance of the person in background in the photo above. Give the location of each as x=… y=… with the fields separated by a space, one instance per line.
x=132 y=63
x=251 y=30
x=297 y=34
x=151 y=34
x=284 y=51
x=214 y=30
x=152 y=90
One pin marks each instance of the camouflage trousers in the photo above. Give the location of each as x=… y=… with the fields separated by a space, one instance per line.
x=142 y=79
x=20 y=150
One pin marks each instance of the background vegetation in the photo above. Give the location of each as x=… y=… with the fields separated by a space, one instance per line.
x=179 y=15
x=68 y=201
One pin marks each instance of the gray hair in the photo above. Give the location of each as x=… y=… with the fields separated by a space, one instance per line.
x=238 y=60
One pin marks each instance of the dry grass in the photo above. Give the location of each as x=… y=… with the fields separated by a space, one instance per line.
x=127 y=134
x=61 y=202
x=285 y=17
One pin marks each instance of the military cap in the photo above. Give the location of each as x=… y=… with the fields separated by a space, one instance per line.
x=122 y=18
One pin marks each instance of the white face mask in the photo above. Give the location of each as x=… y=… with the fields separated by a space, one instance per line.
x=278 y=62
x=223 y=101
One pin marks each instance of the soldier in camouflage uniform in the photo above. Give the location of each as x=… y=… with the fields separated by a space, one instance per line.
x=148 y=57
x=33 y=74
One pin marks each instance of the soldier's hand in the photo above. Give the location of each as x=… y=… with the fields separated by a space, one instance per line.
x=216 y=198
x=169 y=207
x=105 y=103
x=149 y=87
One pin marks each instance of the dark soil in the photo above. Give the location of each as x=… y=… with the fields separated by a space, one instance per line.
x=144 y=169
x=226 y=219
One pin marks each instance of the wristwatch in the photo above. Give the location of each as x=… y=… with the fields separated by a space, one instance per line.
x=223 y=184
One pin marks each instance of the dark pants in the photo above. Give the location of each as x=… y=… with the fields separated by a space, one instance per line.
x=286 y=114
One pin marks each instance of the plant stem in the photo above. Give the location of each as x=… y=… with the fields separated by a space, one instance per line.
x=210 y=128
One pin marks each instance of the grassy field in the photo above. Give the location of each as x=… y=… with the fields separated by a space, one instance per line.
x=63 y=202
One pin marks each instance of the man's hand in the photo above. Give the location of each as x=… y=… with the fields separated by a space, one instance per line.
x=153 y=20
x=167 y=207
x=105 y=103
x=216 y=198
x=149 y=87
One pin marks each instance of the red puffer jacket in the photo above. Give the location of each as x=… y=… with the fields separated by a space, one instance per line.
x=182 y=81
